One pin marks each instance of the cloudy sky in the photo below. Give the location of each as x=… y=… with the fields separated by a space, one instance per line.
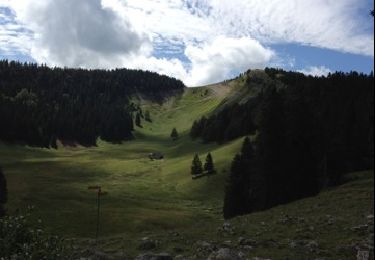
x=197 y=41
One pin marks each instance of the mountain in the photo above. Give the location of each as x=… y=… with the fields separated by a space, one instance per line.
x=157 y=201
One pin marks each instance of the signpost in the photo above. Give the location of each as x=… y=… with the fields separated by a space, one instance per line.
x=100 y=193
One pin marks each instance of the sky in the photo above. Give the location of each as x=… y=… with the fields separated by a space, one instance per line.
x=197 y=41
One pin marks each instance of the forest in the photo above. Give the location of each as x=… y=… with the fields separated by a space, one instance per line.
x=40 y=105
x=309 y=132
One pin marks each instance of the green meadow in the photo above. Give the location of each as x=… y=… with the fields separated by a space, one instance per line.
x=142 y=194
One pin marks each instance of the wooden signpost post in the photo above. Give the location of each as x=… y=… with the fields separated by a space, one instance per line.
x=98 y=190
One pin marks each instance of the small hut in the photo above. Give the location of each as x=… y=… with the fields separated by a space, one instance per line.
x=156 y=156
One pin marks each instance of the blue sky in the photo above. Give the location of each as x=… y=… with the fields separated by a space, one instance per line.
x=197 y=41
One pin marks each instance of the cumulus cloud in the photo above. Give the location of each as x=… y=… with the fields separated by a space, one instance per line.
x=77 y=33
x=217 y=60
x=316 y=71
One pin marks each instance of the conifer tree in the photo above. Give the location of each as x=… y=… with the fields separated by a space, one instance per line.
x=148 y=116
x=3 y=192
x=138 y=120
x=196 y=166
x=233 y=204
x=174 y=134
x=209 y=167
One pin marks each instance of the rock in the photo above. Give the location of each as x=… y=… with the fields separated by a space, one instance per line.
x=227 y=243
x=178 y=250
x=147 y=244
x=247 y=242
x=248 y=248
x=224 y=254
x=312 y=246
x=96 y=255
x=162 y=256
x=360 y=228
x=227 y=228
x=269 y=243
x=363 y=255
x=285 y=220
x=295 y=244
x=241 y=255
x=205 y=246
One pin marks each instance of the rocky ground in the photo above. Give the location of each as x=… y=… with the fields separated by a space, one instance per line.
x=337 y=224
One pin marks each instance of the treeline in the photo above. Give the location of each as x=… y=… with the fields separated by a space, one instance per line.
x=39 y=105
x=310 y=132
x=232 y=122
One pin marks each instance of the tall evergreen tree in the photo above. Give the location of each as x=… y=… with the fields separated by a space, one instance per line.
x=242 y=185
x=233 y=199
x=3 y=192
x=174 y=134
x=209 y=167
x=138 y=120
x=196 y=166
x=148 y=116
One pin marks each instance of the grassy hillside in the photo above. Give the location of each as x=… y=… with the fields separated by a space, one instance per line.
x=143 y=194
x=336 y=224
x=159 y=200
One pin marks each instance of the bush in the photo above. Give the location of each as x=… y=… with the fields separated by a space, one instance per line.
x=20 y=239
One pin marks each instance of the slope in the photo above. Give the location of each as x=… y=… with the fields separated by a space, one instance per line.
x=142 y=194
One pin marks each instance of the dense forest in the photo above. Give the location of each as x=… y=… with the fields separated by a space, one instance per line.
x=310 y=131
x=39 y=105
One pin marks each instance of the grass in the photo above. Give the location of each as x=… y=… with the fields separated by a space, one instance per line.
x=142 y=194
x=158 y=198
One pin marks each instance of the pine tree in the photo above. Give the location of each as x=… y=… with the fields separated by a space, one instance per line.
x=3 y=192
x=148 y=116
x=174 y=134
x=233 y=192
x=138 y=120
x=241 y=193
x=247 y=150
x=196 y=166
x=209 y=167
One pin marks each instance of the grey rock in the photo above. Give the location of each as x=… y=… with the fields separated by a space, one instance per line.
x=363 y=255
x=224 y=254
x=227 y=228
x=312 y=246
x=162 y=256
x=205 y=246
x=360 y=228
x=147 y=244
x=247 y=242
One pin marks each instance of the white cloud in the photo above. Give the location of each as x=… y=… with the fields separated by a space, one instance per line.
x=316 y=71
x=77 y=33
x=328 y=24
x=321 y=23
x=198 y=41
x=217 y=60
